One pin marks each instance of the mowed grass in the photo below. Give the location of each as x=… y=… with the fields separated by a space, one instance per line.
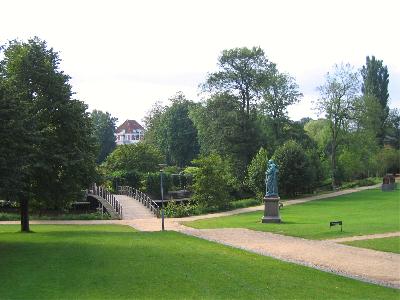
x=366 y=212
x=114 y=262
x=389 y=244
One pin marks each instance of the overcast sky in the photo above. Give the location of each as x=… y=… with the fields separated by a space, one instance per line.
x=125 y=55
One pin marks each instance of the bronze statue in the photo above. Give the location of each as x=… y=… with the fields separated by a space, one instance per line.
x=271 y=179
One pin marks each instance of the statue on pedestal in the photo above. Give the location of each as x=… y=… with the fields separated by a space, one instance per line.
x=271 y=199
x=271 y=179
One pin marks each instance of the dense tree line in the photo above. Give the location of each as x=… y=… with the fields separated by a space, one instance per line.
x=243 y=119
x=219 y=147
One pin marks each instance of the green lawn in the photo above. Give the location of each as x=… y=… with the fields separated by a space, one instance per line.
x=390 y=244
x=366 y=212
x=115 y=262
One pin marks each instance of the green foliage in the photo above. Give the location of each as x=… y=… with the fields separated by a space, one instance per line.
x=280 y=92
x=103 y=132
x=357 y=158
x=388 y=160
x=223 y=129
x=338 y=96
x=375 y=85
x=256 y=173
x=242 y=203
x=180 y=210
x=131 y=178
x=368 y=114
x=152 y=184
x=362 y=182
x=172 y=131
x=392 y=137
x=129 y=164
x=242 y=74
x=213 y=181
x=319 y=131
x=294 y=169
x=140 y=157
x=53 y=157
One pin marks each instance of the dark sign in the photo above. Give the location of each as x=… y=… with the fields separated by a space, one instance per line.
x=334 y=223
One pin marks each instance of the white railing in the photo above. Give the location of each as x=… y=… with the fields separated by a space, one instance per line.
x=141 y=197
x=106 y=195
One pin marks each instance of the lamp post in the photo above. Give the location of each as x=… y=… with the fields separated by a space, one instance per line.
x=162 y=166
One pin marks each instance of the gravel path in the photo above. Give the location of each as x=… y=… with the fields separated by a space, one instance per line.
x=362 y=264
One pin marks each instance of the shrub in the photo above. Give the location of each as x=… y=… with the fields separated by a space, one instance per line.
x=294 y=168
x=176 y=210
x=255 y=179
x=213 y=181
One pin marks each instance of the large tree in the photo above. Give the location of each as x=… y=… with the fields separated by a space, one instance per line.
x=104 y=133
x=49 y=151
x=242 y=73
x=337 y=100
x=375 y=85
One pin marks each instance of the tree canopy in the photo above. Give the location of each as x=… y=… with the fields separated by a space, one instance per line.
x=171 y=130
x=242 y=73
x=50 y=145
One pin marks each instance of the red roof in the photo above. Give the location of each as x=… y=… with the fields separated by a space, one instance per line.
x=129 y=126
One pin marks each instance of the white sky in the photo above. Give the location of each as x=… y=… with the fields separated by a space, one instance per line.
x=125 y=55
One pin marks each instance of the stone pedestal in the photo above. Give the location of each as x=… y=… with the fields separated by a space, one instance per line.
x=271 y=210
x=388 y=187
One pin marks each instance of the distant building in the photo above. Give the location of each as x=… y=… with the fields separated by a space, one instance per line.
x=129 y=132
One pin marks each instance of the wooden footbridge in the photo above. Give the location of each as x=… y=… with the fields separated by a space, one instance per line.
x=128 y=204
x=142 y=198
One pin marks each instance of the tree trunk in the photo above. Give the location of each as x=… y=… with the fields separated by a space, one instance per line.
x=24 y=214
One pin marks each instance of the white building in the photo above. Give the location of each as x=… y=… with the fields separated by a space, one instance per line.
x=129 y=132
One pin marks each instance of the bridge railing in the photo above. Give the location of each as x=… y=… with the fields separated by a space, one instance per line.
x=106 y=195
x=141 y=197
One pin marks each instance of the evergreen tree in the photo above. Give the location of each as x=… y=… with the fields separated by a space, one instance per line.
x=375 y=84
